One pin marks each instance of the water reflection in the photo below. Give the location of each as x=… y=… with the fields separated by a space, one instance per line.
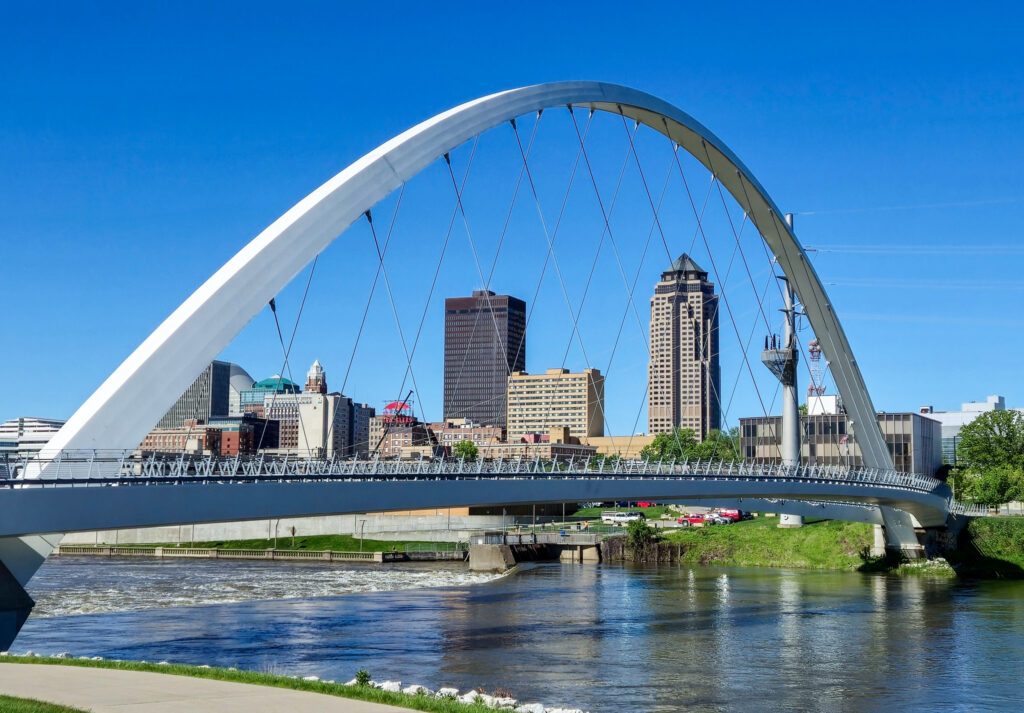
x=611 y=638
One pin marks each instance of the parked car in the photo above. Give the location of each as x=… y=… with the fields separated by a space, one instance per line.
x=735 y=514
x=696 y=519
x=683 y=522
x=621 y=518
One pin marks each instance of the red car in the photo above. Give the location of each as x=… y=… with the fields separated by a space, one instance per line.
x=691 y=519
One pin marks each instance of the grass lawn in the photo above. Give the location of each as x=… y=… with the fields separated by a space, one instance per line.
x=361 y=693
x=338 y=543
x=9 y=704
x=819 y=544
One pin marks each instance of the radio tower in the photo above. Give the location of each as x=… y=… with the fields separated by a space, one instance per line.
x=817 y=385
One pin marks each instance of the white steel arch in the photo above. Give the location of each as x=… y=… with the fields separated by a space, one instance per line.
x=134 y=397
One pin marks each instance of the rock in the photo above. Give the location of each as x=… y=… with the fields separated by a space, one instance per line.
x=29 y=654
x=330 y=680
x=96 y=658
x=205 y=665
x=416 y=689
x=373 y=684
x=391 y=686
x=505 y=702
x=163 y=663
x=310 y=678
x=83 y=658
x=353 y=682
x=61 y=655
x=469 y=697
x=486 y=700
x=530 y=708
x=447 y=693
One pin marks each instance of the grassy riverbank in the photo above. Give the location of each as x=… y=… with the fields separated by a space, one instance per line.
x=338 y=543
x=821 y=544
x=9 y=704
x=417 y=702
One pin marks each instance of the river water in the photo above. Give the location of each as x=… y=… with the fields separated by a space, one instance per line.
x=601 y=637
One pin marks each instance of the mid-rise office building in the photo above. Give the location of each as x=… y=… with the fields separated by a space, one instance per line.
x=214 y=393
x=314 y=423
x=684 y=377
x=484 y=341
x=914 y=441
x=447 y=433
x=191 y=438
x=27 y=435
x=953 y=421
x=557 y=398
x=361 y=415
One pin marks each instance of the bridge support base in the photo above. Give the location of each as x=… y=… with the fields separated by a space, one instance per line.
x=20 y=557
x=900 y=534
x=790 y=520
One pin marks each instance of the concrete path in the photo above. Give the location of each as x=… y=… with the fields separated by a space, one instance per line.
x=103 y=690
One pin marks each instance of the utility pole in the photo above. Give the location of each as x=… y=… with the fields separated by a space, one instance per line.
x=780 y=356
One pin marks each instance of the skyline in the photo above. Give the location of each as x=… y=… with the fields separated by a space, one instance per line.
x=149 y=187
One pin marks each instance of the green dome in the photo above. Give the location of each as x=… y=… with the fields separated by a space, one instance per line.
x=277 y=383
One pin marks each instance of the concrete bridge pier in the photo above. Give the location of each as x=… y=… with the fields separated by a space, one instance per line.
x=20 y=557
x=900 y=533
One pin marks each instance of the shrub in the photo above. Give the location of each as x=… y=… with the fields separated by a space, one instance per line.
x=362 y=677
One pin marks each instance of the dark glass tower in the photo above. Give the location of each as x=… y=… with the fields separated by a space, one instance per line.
x=484 y=341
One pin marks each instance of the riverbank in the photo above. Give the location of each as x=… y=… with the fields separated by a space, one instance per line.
x=141 y=690
x=821 y=544
x=988 y=548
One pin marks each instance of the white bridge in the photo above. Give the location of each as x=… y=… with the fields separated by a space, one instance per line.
x=74 y=487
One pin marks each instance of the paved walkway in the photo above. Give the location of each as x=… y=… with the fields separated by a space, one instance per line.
x=103 y=690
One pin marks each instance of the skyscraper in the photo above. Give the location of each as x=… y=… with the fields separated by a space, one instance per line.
x=215 y=392
x=683 y=377
x=484 y=341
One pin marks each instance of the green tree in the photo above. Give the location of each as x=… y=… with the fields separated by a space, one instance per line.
x=990 y=459
x=682 y=444
x=466 y=449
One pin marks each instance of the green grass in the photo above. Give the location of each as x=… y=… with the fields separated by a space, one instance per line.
x=991 y=548
x=9 y=704
x=338 y=543
x=821 y=544
x=361 y=693
x=651 y=513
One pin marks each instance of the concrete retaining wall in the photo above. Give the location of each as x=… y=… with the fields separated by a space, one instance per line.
x=427 y=528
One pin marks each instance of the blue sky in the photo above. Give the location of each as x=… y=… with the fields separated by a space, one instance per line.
x=141 y=147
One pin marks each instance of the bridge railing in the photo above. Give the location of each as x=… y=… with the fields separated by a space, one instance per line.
x=132 y=467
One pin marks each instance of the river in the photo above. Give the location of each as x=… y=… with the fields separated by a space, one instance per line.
x=601 y=637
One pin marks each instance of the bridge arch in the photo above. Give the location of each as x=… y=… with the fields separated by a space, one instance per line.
x=133 y=398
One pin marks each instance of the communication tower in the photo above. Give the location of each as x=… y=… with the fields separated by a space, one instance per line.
x=817 y=385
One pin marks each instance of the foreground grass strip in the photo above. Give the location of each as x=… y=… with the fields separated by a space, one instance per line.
x=9 y=704
x=359 y=693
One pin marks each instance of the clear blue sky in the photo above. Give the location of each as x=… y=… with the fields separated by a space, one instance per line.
x=141 y=147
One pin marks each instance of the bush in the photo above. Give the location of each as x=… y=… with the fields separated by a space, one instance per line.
x=362 y=677
x=640 y=534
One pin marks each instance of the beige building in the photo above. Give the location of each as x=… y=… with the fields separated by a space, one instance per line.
x=628 y=447
x=557 y=398
x=454 y=430
x=683 y=377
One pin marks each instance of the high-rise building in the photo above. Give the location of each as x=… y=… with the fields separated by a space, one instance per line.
x=215 y=392
x=484 y=342
x=557 y=398
x=683 y=377
x=313 y=423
